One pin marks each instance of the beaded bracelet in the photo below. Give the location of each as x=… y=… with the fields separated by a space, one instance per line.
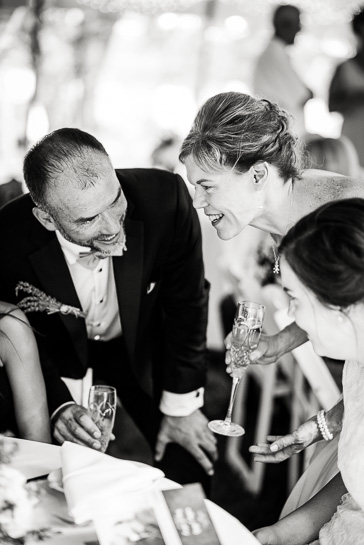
x=322 y=426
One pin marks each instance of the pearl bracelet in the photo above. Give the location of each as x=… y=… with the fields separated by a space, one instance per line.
x=322 y=426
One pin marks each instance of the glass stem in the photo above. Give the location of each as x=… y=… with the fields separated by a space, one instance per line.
x=234 y=388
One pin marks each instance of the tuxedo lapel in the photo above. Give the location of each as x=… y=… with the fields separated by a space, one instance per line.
x=128 y=270
x=51 y=269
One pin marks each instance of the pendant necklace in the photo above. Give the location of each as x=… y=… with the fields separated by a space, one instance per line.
x=276 y=267
x=276 y=261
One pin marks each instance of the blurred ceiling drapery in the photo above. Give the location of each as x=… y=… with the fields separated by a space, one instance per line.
x=133 y=70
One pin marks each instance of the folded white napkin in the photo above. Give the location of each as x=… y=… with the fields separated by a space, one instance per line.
x=92 y=481
x=34 y=459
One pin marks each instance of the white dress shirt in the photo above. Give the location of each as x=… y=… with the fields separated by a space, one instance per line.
x=96 y=291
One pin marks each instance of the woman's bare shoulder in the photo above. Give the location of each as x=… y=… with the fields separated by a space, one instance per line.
x=327 y=186
x=12 y=318
x=314 y=174
x=5 y=308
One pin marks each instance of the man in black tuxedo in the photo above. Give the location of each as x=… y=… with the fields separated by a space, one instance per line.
x=124 y=247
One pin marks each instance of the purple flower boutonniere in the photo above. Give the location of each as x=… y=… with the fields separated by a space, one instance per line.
x=38 y=301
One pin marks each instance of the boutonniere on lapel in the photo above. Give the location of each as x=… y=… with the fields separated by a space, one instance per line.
x=38 y=301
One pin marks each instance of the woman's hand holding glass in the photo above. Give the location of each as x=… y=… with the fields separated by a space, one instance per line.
x=245 y=336
x=271 y=347
x=265 y=353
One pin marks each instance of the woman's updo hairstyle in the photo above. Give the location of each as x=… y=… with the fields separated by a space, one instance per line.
x=234 y=130
x=325 y=250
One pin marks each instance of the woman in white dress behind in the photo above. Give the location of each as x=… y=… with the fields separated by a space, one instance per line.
x=322 y=261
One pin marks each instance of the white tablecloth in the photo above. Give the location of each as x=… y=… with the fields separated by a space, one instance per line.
x=38 y=459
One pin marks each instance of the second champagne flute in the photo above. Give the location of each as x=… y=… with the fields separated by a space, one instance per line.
x=245 y=337
x=102 y=403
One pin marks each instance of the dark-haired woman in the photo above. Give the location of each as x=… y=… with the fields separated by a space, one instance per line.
x=23 y=402
x=322 y=260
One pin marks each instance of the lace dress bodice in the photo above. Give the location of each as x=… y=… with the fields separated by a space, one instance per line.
x=347 y=525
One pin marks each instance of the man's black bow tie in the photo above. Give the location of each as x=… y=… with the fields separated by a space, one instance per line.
x=88 y=260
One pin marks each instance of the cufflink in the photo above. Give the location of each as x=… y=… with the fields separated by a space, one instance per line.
x=150 y=287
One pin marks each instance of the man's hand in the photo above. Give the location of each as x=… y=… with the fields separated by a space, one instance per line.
x=281 y=448
x=74 y=424
x=190 y=432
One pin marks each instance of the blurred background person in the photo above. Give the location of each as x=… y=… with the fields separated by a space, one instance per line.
x=165 y=154
x=333 y=154
x=346 y=92
x=10 y=190
x=274 y=76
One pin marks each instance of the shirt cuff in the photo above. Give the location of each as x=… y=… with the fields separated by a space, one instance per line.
x=54 y=414
x=181 y=404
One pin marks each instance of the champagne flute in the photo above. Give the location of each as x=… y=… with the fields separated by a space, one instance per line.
x=245 y=337
x=102 y=401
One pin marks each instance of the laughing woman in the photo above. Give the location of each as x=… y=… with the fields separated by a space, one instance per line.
x=244 y=163
x=23 y=402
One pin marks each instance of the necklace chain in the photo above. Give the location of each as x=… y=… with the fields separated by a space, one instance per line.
x=276 y=267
